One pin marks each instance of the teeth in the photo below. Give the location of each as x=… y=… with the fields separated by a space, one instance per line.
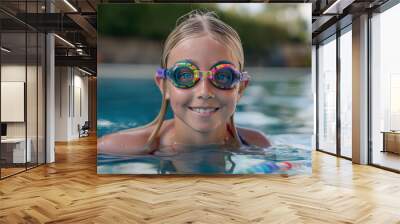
x=204 y=110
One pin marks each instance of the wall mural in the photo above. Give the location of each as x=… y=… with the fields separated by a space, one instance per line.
x=204 y=89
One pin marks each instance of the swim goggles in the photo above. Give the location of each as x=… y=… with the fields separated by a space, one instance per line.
x=185 y=74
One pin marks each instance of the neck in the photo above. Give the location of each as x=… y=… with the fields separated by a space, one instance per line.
x=185 y=134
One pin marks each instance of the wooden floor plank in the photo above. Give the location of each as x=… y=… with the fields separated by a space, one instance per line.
x=70 y=191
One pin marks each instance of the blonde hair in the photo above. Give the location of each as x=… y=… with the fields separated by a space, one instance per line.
x=195 y=24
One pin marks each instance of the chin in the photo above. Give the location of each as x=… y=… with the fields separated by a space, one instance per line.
x=203 y=128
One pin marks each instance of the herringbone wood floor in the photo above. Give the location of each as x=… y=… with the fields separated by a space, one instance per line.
x=70 y=191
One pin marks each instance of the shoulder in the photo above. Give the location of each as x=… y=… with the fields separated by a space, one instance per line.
x=254 y=137
x=126 y=142
x=130 y=141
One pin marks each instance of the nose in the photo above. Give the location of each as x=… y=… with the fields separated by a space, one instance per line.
x=205 y=89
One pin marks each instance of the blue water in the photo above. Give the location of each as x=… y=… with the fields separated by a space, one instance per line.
x=251 y=160
x=278 y=103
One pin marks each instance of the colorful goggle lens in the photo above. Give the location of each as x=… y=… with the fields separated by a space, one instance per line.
x=185 y=75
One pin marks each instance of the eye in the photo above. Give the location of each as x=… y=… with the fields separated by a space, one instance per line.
x=224 y=76
x=184 y=75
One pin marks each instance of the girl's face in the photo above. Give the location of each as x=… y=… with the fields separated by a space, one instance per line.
x=203 y=107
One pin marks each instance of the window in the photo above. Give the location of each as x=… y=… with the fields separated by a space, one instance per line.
x=22 y=68
x=346 y=92
x=385 y=89
x=327 y=95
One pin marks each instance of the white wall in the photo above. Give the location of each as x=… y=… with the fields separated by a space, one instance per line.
x=80 y=110
x=12 y=101
x=16 y=73
x=33 y=106
x=71 y=102
x=62 y=81
x=13 y=73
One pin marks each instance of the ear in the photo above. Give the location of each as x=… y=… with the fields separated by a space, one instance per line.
x=243 y=85
x=162 y=85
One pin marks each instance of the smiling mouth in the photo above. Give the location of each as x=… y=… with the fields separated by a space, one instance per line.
x=204 y=110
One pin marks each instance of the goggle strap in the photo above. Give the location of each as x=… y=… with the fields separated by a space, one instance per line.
x=161 y=73
x=244 y=76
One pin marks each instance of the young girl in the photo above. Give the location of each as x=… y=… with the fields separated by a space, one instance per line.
x=202 y=79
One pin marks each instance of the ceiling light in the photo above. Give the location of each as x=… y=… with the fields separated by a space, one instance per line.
x=5 y=49
x=65 y=41
x=70 y=5
x=337 y=7
x=86 y=72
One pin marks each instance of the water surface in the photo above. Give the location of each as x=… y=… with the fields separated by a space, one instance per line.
x=247 y=160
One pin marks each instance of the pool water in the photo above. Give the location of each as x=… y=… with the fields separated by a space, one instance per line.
x=279 y=159
x=278 y=102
